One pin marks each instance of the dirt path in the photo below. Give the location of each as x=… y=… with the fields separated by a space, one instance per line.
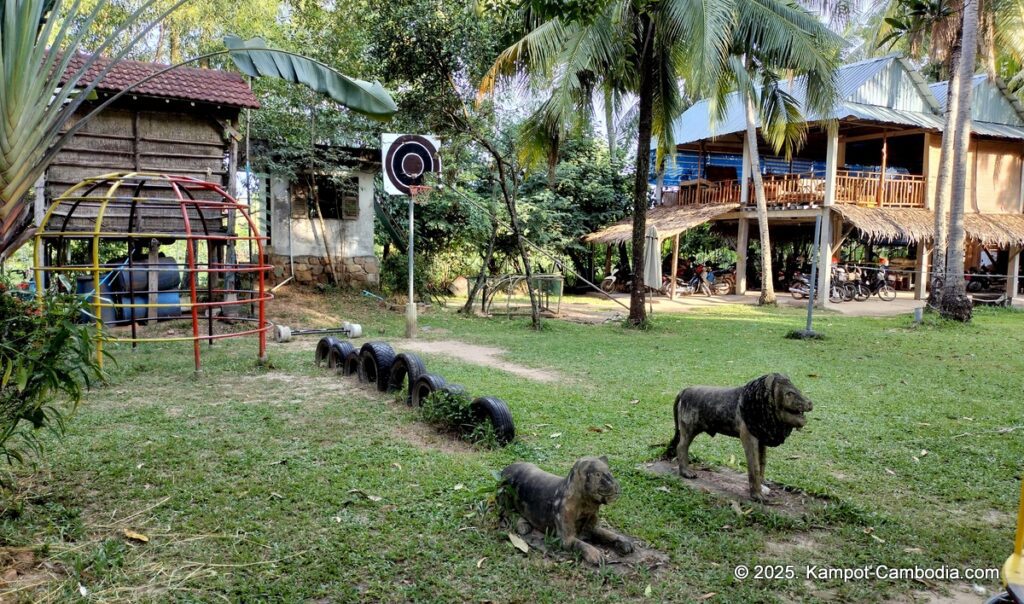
x=485 y=356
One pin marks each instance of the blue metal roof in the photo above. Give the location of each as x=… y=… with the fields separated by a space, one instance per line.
x=885 y=90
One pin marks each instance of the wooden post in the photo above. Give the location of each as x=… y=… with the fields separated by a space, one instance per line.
x=675 y=267
x=742 y=244
x=921 y=271
x=153 y=279
x=880 y=193
x=230 y=253
x=825 y=248
x=745 y=177
x=1013 y=272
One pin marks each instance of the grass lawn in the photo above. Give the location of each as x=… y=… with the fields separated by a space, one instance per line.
x=291 y=485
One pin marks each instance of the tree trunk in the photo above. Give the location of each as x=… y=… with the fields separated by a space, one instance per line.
x=479 y=283
x=609 y=120
x=767 y=277
x=513 y=214
x=637 y=301
x=942 y=182
x=955 y=304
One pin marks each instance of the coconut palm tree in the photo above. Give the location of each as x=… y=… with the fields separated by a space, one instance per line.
x=647 y=48
x=808 y=49
x=954 y=303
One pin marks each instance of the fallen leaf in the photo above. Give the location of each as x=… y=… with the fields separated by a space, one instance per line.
x=912 y=550
x=556 y=435
x=276 y=495
x=647 y=591
x=396 y=465
x=878 y=539
x=595 y=429
x=923 y=452
x=480 y=562
x=139 y=467
x=374 y=498
x=635 y=401
x=518 y=542
x=82 y=590
x=558 y=445
x=663 y=488
x=136 y=536
x=890 y=472
x=916 y=460
x=609 y=426
x=706 y=596
x=458 y=487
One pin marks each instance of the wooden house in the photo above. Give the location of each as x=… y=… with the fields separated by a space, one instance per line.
x=873 y=172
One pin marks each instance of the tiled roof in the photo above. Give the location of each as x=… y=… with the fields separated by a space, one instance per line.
x=211 y=86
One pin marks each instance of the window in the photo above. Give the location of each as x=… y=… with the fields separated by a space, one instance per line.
x=338 y=197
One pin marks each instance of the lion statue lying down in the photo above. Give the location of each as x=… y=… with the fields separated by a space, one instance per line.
x=761 y=414
x=568 y=506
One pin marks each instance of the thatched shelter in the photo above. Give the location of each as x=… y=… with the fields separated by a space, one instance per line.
x=670 y=220
x=918 y=225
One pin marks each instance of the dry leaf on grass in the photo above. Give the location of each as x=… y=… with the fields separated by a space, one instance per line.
x=130 y=534
x=518 y=542
x=480 y=562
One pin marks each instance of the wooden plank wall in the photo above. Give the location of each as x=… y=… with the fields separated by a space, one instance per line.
x=149 y=140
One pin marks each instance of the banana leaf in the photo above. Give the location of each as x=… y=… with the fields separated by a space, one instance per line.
x=255 y=59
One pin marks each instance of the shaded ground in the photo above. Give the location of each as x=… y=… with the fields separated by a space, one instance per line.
x=642 y=560
x=732 y=485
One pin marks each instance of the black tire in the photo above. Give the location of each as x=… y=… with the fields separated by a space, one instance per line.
x=375 y=364
x=861 y=293
x=422 y=388
x=352 y=363
x=323 y=349
x=796 y=288
x=455 y=390
x=406 y=369
x=834 y=295
x=887 y=293
x=848 y=291
x=975 y=285
x=494 y=410
x=338 y=355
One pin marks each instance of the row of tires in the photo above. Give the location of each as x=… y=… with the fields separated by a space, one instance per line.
x=376 y=363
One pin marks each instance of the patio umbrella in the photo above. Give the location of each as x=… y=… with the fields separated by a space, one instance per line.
x=652 y=258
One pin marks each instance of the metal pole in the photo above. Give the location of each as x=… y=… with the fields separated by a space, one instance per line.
x=814 y=273
x=410 y=308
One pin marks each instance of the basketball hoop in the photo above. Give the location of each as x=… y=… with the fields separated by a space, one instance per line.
x=420 y=193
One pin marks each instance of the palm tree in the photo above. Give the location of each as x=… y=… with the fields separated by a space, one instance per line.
x=807 y=49
x=954 y=303
x=646 y=48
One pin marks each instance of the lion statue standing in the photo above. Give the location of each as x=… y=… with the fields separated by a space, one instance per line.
x=568 y=506
x=761 y=414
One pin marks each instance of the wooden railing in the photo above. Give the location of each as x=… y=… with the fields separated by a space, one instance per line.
x=795 y=190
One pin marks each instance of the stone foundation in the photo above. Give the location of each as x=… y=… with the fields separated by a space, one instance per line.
x=312 y=270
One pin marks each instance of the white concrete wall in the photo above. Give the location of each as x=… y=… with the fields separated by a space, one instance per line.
x=345 y=238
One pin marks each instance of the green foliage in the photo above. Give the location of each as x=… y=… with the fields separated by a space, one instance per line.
x=450 y=412
x=46 y=359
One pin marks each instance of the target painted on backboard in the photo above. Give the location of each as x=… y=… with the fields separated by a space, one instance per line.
x=408 y=159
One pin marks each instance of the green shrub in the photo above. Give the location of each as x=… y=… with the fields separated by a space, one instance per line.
x=46 y=359
x=451 y=413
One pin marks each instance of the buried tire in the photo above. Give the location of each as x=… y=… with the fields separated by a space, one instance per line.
x=406 y=369
x=323 y=350
x=422 y=388
x=494 y=410
x=338 y=355
x=375 y=363
x=351 y=365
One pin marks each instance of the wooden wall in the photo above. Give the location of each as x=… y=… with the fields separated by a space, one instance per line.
x=993 y=174
x=172 y=138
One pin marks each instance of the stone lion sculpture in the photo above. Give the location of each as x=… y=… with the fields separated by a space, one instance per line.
x=761 y=414
x=568 y=506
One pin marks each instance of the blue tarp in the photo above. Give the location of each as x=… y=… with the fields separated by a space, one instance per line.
x=684 y=166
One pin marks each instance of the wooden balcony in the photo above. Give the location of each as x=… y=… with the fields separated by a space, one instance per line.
x=799 y=190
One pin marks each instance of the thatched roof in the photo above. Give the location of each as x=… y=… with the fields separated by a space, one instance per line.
x=912 y=224
x=918 y=224
x=669 y=220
